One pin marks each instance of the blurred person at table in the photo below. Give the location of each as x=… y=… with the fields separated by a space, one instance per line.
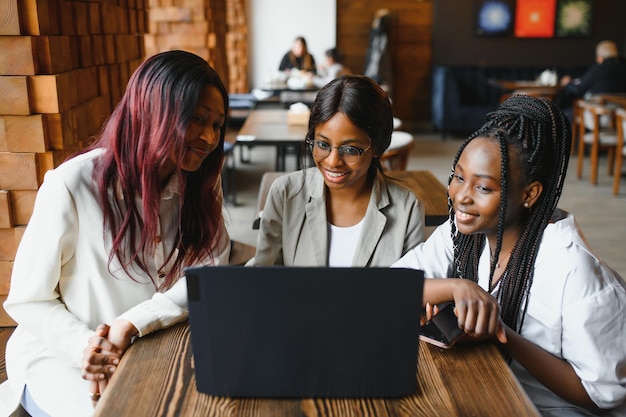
x=331 y=69
x=298 y=58
x=111 y=231
x=607 y=75
x=520 y=270
x=344 y=211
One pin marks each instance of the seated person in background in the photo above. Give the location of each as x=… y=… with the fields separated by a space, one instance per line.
x=344 y=211
x=112 y=230
x=607 y=75
x=333 y=68
x=298 y=58
x=520 y=269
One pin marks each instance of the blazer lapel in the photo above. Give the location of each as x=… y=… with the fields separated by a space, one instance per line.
x=373 y=224
x=317 y=227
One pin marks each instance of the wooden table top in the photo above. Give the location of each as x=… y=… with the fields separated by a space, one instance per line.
x=269 y=126
x=429 y=190
x=512 y=85
x=156 y=378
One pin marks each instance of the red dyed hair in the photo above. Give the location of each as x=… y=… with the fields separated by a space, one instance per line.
x=146 y=127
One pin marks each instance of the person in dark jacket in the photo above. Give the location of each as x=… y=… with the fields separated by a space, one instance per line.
x=298 y=58
x=607 y=75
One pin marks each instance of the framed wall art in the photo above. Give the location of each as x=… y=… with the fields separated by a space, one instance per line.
x=494 y=17
x=574 y=18
x=535 y=18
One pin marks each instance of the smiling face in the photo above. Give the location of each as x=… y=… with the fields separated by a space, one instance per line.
x=475 y=190
x=339 y=175
x=203 y=132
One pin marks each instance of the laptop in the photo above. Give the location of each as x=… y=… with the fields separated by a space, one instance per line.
x=305 y=331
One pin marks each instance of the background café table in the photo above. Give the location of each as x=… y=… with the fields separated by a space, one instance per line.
x=156 y=378
x=269 y=127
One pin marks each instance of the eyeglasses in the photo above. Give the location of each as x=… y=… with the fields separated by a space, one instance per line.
x=349 y=154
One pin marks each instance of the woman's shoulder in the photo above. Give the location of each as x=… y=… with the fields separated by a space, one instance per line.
x=564 y=240
x=308 y=180
x=79 y=166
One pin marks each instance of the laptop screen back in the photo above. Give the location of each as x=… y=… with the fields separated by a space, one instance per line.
x=305 y=332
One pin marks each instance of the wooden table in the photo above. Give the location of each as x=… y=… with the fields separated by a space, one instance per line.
x=432 y=193
x=429 y=190
x=268 y=127
x=156 y=378
x=529 y=87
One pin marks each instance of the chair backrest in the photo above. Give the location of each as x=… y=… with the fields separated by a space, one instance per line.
x=596 y=112
x=620 y=115
x=396 y=157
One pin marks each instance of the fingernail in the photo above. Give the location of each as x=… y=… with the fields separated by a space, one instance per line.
x=115 y=361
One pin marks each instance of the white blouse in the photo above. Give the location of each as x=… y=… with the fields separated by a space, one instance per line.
x=576 y=311
x=63 y=286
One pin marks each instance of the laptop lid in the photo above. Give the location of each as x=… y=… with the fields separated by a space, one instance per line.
x=305 y=331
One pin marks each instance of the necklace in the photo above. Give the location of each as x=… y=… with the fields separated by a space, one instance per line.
x=503 y=260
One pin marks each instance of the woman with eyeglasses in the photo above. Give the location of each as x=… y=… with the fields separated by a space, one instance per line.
x=344 y=211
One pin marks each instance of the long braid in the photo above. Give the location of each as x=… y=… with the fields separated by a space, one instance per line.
x=535 y=134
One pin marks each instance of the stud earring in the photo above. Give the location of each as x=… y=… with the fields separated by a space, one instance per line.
x=525 y=205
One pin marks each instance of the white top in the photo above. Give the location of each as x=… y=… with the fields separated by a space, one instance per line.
x=63 y=287
x=576 y=310
x=342 y=243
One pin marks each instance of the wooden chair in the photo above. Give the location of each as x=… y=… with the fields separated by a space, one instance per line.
x=240 y=252
x=597 y=129
x=620 y=120
x=396 y=157
x=264 y=187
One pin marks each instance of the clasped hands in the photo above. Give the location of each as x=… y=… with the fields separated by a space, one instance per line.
x=103 y=353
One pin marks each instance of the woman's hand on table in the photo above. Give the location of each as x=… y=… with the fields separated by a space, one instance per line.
x=478 y=311
x=103 y=353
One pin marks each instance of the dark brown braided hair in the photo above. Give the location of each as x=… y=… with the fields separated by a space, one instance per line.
x=537 y=136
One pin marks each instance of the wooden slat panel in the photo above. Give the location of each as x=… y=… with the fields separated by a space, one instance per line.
x=9 y=18
x=39 y=17
x=5 y=319
x=14 y=95
x=16 y=55
x=26 y=133
x=18 y=171
x=9 y=241
x=409 y=46
x=5 y=276
x=22 y=204
x=54 y=54
x=6 y=219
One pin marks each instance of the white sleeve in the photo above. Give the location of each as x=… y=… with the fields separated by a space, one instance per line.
x=34 y=301
x=434 y=256
x=594 y=336
x=170 y=307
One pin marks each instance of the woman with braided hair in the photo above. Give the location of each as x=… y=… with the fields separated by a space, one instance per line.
x=519 y=269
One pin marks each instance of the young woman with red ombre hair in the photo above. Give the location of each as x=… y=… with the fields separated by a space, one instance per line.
x=102 y=258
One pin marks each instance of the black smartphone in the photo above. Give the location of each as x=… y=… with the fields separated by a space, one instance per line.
x=443 y=328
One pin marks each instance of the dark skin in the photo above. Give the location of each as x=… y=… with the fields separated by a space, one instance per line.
x=475 y=195
x=348 y=187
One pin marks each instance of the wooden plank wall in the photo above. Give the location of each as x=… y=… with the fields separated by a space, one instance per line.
x=410 y=47
x=63 y=67
x=213 y=29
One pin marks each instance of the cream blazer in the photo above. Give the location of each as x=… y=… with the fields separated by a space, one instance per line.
x=294 y=229
x=63 y=286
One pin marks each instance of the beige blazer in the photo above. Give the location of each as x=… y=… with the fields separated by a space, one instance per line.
x=294 y=229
